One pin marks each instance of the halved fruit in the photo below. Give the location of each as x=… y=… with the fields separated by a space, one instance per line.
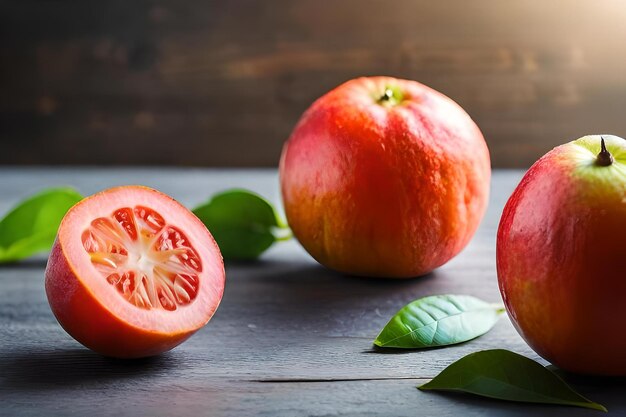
x=133 y=273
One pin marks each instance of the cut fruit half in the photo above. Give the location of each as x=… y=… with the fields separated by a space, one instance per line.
x=133 y=273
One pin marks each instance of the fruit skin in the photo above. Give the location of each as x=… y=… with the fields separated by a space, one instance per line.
x=388 y=187
x=100 y=330
x=86 y=319
x=560 y=257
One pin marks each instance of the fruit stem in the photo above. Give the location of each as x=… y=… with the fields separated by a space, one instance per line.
x=392 y=96
x=604 y=158
x=498 y=307
x=282 y=234
x=387 y=95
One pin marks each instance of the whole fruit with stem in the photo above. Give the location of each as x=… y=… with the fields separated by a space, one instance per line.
x=384 y=177
x=561 y=256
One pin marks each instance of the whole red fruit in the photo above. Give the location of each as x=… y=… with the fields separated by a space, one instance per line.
x=561 y=253
x=384 y=177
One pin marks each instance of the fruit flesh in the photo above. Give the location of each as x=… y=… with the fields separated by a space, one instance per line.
x=560 y=257
x=390 y=187
x=103 y=314
x=150 y=263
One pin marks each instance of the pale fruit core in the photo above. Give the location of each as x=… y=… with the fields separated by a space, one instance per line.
x=149 y=262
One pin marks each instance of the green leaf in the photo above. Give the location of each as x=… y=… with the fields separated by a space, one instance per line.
x=505 y=375
x=32 y=226
x=438 y=320
x=243 y=223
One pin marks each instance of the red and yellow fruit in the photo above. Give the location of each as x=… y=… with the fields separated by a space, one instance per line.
x=561 y=256
x=384 y=177
x=133 y=273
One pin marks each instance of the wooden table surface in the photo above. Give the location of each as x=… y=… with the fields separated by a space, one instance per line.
x=290 y=338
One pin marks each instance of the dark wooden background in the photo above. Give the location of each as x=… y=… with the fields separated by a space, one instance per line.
x=221 y=83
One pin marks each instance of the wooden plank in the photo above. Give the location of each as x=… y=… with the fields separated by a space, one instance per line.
x=290 y=338
x=277 y=322
x=352 y=398
x=227 y=81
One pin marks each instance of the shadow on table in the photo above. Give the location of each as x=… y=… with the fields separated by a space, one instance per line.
x=395 y=351
x=50 y=369
x=306 y=284
x=306 y=273
x=307 y=297
x=590 y=380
